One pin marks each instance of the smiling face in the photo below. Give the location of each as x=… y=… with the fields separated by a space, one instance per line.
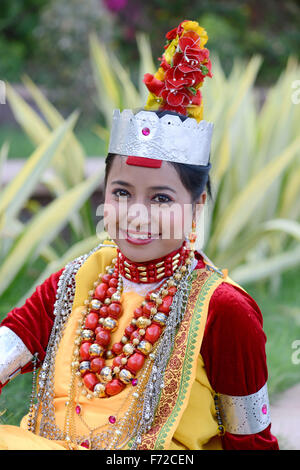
x=147 y=211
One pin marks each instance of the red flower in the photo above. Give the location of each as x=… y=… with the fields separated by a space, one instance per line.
x=208 y=65
x=196 y=98
x=175 y=98
x=173 y=33
x=190 y=39
x=178 y=100
x=164 y=64
x=188 y=68
x=153 y=84
x=191 y=59
x=175 y=79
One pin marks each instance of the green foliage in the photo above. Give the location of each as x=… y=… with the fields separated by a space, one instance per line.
x=281 y=316
x=15 y=400
x=49 y=39
x=62 y=36
x=17 y=44
x=70 y=207
x=236 y=29
x=21 y=147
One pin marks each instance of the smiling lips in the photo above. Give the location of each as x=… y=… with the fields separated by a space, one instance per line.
x=139 y=238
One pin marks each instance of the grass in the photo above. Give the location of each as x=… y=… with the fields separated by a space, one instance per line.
x=20 y=146
x=281 y=314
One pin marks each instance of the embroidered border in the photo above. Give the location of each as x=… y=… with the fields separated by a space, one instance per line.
x=178 y=374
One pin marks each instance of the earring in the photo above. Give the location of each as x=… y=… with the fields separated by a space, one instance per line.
x=193 y=236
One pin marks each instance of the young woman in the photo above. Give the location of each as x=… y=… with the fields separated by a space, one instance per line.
x=143 y=343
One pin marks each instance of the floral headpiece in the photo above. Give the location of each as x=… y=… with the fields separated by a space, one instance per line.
x=183 y=67
x=147 y=138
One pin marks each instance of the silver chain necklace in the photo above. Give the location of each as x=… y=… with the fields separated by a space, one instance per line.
x=145 y=403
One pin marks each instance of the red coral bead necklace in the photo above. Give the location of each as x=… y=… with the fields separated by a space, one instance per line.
x=100 y=320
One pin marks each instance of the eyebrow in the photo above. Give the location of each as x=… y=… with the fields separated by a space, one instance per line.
x=157 y=188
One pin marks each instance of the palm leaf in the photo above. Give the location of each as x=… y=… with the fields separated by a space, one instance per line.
x=44 y=227
x=3 y=157
x=17 y=191
x=266 y=268
x=75 y=153
x=105 y=80
x=238 y=213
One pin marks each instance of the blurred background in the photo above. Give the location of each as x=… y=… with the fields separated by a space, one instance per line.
x=66 y=65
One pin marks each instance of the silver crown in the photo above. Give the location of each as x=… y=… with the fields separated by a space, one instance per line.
x=167 y=138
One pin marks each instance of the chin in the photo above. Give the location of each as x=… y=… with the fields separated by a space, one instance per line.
x=139 y=253
x=147 y=252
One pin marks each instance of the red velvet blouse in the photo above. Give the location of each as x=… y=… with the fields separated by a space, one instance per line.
x=233 y=347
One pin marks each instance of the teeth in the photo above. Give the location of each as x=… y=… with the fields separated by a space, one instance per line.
x=139 y=237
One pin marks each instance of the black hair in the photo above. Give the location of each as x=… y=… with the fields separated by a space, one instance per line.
x=193 y=177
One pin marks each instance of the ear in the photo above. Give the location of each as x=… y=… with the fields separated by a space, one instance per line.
x=199 y=204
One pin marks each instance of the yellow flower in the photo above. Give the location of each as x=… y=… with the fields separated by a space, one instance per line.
x=160 y=74
x=195 y=112
x=194 y=26
x=170 y=51
x=153 y=102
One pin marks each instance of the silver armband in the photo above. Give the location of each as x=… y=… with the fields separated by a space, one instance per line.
x=13 y=354
x=247 y=414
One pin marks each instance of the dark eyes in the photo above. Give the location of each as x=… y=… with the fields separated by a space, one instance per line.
x=120 y=192
x=160 y=198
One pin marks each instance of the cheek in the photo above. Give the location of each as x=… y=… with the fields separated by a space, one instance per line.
x=111 y=214
x=187 y=218
x=175 y=220
x=181 y=221
x=115 y=215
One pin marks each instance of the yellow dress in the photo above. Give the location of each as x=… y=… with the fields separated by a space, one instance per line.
x=190 y=424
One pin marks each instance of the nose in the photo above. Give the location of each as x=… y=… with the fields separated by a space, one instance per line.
x=138 y=217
